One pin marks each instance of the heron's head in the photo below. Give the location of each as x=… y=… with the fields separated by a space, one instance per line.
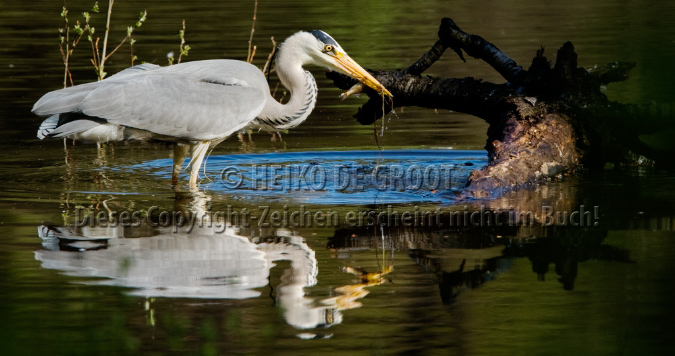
x=321 y=49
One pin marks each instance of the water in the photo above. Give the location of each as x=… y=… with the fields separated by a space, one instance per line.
x=98 y=255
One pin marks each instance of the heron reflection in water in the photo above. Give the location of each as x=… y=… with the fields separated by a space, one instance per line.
x=203 y=263
x=196 y=105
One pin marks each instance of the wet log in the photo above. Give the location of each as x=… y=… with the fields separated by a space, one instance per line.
x=545 y=122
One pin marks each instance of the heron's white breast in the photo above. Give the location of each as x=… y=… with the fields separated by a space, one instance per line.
x=100 y=133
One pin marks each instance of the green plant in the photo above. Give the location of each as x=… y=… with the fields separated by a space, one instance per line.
x=98 y=59
x=183 y=49
x=99 y=55
x=66 y=46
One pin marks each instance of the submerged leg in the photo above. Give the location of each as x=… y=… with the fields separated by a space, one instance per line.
x=179 y=153
x=199 y=150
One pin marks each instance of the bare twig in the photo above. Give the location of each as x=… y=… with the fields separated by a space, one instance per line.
x=274 y=93
x=96 y=58
x=268 y=65
x=66 y=57
x=113 y=51
x=101 y=73
x=65 y=54
x=99 y=59
x=131 y=49
x=253 y=53
x=251 y=48
x=94 y=54
x=183 y=48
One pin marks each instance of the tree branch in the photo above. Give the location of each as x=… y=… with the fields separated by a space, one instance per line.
x=427 y=59
x=475 y=46
x=545 y=122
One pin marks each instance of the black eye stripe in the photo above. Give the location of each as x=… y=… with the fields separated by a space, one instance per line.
x=324 y=37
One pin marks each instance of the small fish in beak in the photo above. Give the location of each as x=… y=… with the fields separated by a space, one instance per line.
x=354 y=70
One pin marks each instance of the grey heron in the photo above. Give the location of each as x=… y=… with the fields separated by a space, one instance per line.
x=195 y=105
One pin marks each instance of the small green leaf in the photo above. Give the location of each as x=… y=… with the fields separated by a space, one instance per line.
x=141 y=18
x=95 y=8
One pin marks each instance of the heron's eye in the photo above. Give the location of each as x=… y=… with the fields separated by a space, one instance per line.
x=328 y=48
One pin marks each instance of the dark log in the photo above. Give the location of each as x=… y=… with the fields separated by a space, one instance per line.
x=545 y=122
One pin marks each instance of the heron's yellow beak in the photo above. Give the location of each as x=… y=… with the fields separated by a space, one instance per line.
x=354 y=70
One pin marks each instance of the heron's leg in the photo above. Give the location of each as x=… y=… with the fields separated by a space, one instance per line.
x=179 y=153
x=199 y=150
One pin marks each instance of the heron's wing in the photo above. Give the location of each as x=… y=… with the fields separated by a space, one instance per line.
x=169 y=104
x=53 y=126
x=68 y=99
x=68 y=128
x=134 y=70
x=176 y=106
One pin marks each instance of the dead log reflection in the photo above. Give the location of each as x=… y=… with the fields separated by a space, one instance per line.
x=464 y=258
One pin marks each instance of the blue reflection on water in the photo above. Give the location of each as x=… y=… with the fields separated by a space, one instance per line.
x=339 y=177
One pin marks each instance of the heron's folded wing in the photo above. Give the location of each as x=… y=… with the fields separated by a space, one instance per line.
x=68 y=99
x=175 y=105
x=134 y=70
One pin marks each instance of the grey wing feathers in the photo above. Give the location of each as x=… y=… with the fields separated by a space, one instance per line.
x=67 y=99
x=134 y=70
x=63 y=100
x=47 y=127
x=50 y=128
x=180 y=108
x=70 y=128
x=202 y=100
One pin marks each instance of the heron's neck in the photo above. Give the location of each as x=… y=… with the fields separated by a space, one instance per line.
x=303 y=92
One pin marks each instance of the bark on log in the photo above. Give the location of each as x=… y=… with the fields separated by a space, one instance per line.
x=545 y=122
